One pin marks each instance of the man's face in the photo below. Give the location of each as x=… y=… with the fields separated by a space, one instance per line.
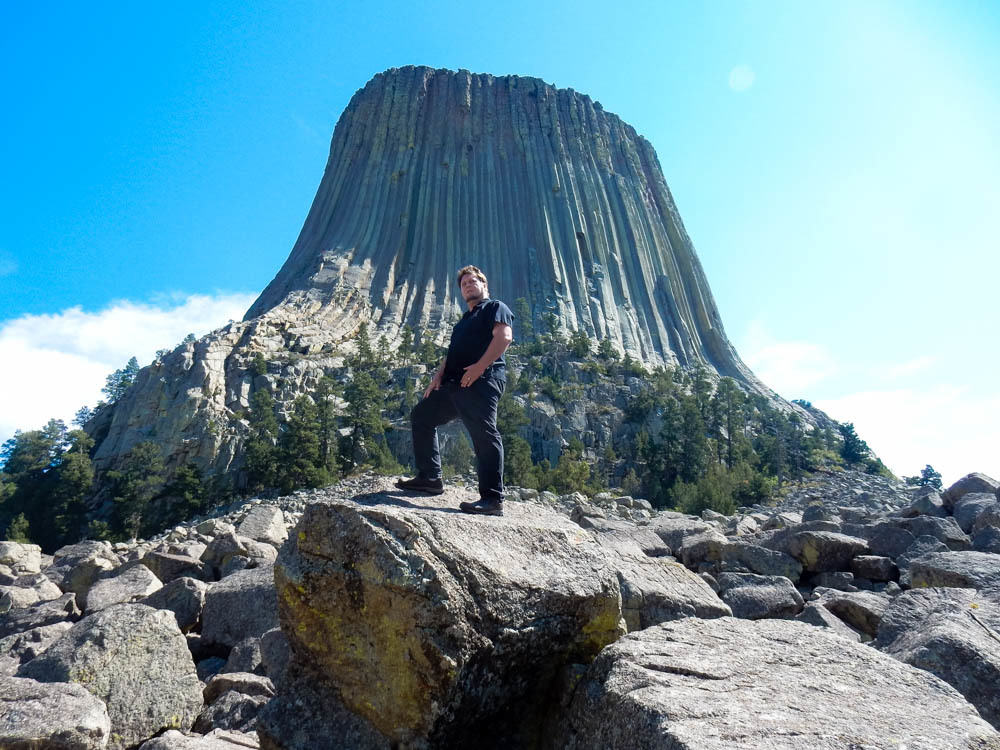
x=472 y=288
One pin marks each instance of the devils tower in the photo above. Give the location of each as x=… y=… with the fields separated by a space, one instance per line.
x=562 y=203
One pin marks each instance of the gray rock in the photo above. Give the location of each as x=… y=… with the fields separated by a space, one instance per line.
x=704 y=547
x=840 y=580
x=944 y=530
x=952 y=633
x=245 y=657
x=974 y=482
x=135 y=659
x=987 y=540
x=968 y=508
x=21 y=558
x=974 y=570
x=264 y=523
x=820 y=551
x=240 y=606
x=924 y=545
x=612 y=531
x=656 y=590
x=862 y=610
x=928 y=504
x=50 y=716
x=730 y=683
x=206 y=669
x=754 y=597
x=129 y=585
x=217 y=739
x=23 y=647
x=675 y=528
x=246 y=683
x=814 y=613
x=275 y=654
x=989 y=518
x=36 y=616
x=16 y=597
x=472 y=617
x=76 y=567
x=168 y=567
x=185 y=597
x=888 y=540
x=221 y=551
x=231 y=711
x=874 y=568
x=763 y=561
x=816 y=512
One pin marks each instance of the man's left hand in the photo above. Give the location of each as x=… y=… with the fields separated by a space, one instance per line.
x=472 y=374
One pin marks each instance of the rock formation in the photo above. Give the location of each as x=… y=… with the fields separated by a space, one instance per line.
x=562 y=203
x=406 y=623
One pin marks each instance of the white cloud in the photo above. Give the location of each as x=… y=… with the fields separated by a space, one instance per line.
x=953 y=429
x=789 y=367
x=741 y=78
x=904 y=369
x=56 y=363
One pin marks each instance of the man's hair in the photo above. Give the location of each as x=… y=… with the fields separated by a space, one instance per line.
x=474 y=271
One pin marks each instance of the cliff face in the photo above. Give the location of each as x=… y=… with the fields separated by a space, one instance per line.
x=560 y=202
x=557 y=200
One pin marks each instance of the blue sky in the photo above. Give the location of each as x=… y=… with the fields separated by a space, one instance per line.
x=835 y=165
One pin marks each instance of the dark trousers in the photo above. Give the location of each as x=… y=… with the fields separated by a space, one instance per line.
x=476 y=406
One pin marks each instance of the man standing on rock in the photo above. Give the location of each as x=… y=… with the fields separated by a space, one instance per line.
x=467 y=385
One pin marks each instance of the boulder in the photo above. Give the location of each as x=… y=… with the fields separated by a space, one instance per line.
x=129 y=585
x=987 y=540
x=231 y=710
x=16 y=597
x=245 y=657
x=945 y=530
x=439 y=627
x=246 y=683
x=762 y=561
x=730 y=683
x=703 y=547
x=168 y=567
x=185 y=597
x=38 y=615
x=50 y=716
x=820 y=551
x=240 y=606
x=921 y=546
x=988 y=519
x=674 y=528
x=76 y=567
x=928 y=504
x=264 y=523
x=135 y=659
x=968 y=508
x=23 y=647
x=657 y=590
x=974 y=482
x=21 y=558
x=275 y=654
x=217 y=739
x=951 y=633
x=862 y=610
x=840 y=580
x=814 y=613
x=222 y=551
x=754 y=597
x=874 y=568
x=974 y=570
x=888 y=540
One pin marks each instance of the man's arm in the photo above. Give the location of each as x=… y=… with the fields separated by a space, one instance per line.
x=502 y=336
x=436 y=378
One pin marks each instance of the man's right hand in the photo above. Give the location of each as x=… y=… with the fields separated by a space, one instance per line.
x=435 y=384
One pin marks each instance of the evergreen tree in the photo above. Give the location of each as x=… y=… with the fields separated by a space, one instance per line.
x=258 y=365
x=579 y=344
x=930 y=478
x=19 y=530
x=183 y=497
x=854 y=450
x=261 y=457
x=363 y=419
x=326 y=419
x=405 y=351
x=526 y=328
x=69 y=487
x=118 y=382
x=83 y=415
x=300 y=463
x=607 y=351
x=134 y=484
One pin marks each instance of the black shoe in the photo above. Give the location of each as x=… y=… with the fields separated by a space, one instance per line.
x=483 y=507
x=418 y=484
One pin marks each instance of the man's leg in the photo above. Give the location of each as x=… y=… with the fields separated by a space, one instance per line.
x=477 y=406
x=435 y=410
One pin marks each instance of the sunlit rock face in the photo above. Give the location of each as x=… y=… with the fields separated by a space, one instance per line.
x=557 y=200
x=560 y=202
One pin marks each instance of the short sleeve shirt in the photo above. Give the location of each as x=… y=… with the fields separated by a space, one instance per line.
x=472 y=335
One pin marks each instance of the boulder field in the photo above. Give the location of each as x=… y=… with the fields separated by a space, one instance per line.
x=854 y=613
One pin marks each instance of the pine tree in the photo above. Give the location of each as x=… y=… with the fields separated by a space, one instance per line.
x=326 y=419
x=300 y=463
x=405 y=351
x=118 y=382
x=854 y=450
x=183 y=497
x=261 y=458
x=363 y=419
x=607 y=351
x=134 y=484
x=579 y=344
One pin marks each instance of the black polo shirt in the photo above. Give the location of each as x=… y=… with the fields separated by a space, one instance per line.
x=472 y=335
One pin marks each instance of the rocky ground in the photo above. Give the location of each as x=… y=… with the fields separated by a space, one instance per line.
x=853 y=613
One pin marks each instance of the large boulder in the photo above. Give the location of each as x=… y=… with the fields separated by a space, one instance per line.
x=39 y=615
x=763 y=561
x=814 y=613
x=223 y=551
x=968 y=509
x=23 y=647
x=753 y=597
x=974 y=570
x=862 y=610
x=435 y=626
x=615 y=532
x=76 y=567
x=888 y=540
x=820 y=551
x=729 y=683
x=52 y=716
x=129 y=585
x=974 y=482
x=242 y=605
x=21 y=558
x=185 y=597
x=264 y=523
x=168 y=567
x=945 y=530
x=217 y=739
x=951 y=633
x=135 y=659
